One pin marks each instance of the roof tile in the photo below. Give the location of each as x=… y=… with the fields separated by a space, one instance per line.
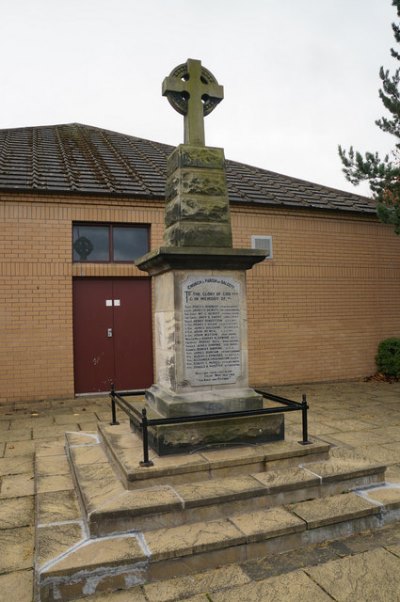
x=76 y=158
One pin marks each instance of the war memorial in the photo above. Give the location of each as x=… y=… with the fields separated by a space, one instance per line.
x=197 y=472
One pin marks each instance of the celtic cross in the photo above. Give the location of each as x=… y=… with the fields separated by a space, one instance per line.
x=194 y=92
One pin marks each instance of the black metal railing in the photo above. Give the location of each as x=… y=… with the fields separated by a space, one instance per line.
x=286 y=405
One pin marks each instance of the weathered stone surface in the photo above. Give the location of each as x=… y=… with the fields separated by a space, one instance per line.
x=209 y=581
x=17 y=485
x=292 y=588
x=19 y=448
x=207 y=182
x=193 y=91
x=388 y=495
x=61 y=482
x=192 y=539
x=17 y=586
x=16 y=512
x=191 y=208
x=286 y=480
x=54 y=540
x=97 y=484
x=133 y=594
x=49 y=448
x=184 y=437
x=89 y=455
x=110 y=551
x=266 y=524
x=18 y=465
x=15 y=435
x=18 y=544
x=369 y=577
x=57 y=506
x=185 y=155
x=195 y=234
x=219 y=491
x=335 y=509
x=52 y=465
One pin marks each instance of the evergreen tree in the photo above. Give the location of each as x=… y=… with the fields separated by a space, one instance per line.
x=383 y=174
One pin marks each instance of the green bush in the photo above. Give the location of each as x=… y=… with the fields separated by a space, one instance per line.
x=388 y=357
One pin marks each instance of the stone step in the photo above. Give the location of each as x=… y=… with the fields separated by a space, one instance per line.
x=85 y=566
x=125 y=450
x=109 y=508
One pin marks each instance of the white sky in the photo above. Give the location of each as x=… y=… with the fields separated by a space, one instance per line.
x=299 y=76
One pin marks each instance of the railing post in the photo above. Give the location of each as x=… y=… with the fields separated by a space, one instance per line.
x=145 y=437
x=304 y=420
x=114 y=420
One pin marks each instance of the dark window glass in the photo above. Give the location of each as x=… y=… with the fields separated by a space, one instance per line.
x=129 y=243
x=91 y=243
x=109 y=243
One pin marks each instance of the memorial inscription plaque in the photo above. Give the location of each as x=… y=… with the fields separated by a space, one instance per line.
x=211 y=330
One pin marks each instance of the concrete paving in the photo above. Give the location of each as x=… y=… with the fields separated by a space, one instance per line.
x=351 y=415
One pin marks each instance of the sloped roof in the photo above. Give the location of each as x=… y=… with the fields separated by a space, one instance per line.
x=76 y=158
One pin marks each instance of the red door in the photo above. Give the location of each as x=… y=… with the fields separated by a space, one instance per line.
x=112 y=334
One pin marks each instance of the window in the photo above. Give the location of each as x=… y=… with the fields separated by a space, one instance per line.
x=109 y=243
x=262 y=242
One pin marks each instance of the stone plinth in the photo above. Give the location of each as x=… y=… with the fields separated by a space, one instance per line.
x=200 y=324
x=191 y=436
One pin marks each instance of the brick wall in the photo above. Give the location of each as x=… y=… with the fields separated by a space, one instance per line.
x=316 y=311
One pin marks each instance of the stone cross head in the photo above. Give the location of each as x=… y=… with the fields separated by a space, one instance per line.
x=194 y=92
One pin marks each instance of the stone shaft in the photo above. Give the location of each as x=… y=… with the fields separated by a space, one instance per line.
x=197 y=206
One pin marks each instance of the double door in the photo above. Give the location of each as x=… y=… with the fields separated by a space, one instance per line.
x=112 y=334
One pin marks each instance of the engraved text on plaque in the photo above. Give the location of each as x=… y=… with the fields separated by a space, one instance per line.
x=211 y=327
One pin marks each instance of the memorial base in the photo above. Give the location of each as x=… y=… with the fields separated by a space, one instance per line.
x=190 y=436
x=212 y=401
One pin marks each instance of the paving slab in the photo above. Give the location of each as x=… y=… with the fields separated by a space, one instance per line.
x=52 y=465
x=219 y=490
x=55 y=540
x=54 y=483
x=19 y=448
x=17 y=586
x=267 y=524
x=337 y=468
x=287 y=480
x=49 y=448
x=17 y=486
x=334 y=509
x=74 y=417
x=171 y=590
x=105 y=552
x=18 y=544
x=190 y=539
x=292 y=588
x=16 y=435
x=389 y=495
x=97 y=485
x=57 y=506
x=88 y=454
x=18 y=465
x=16 y=512
x=369 y=576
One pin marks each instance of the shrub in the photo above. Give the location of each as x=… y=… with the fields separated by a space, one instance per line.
x=388 y=357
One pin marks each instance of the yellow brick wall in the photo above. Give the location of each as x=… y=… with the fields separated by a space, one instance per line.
x=316 y=311
x=319 y=308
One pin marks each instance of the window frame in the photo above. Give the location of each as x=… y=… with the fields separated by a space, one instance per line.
x=110 y=226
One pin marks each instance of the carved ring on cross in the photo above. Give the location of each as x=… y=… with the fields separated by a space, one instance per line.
x=179 y=100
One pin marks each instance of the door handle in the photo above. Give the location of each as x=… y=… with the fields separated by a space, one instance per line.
x=109 y=332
